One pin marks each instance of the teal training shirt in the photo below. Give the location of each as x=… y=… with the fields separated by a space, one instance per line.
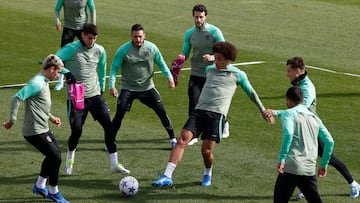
x=137 y=66
x=87 y=65
x=75 y=13
x=220 y=87
x=299 y=148
x=36 y=95
x=201 y=40
x=309 y=91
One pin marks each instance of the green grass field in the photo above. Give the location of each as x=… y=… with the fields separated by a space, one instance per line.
x=324 y=32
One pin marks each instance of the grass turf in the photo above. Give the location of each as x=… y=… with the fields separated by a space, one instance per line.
x=325 y=33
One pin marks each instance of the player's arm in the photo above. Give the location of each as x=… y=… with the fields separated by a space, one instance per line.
x=287 y=131
x=92 y=10
x=116 y=66
x=160 y=62
x=101 y=70
x=59 y=4
x=326 y=138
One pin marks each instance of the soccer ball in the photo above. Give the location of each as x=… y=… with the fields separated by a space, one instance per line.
x=129 y=186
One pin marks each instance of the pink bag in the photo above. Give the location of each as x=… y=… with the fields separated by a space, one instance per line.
x=77 y=92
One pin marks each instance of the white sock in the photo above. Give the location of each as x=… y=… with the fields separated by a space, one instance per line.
x=170 y=168
x=114 y=159
x=53 y=189
x=70 y=154
x=41 y=182
x=208 y=171
x=353 y=184
x=61 y=79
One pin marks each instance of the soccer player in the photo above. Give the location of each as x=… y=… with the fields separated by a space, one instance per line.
x=136 y=59
x=298 y=76
x=75 y=16
x=208 y=118
x=37 y=99
x=200 y=37
x=299 y=150
x=86 y=61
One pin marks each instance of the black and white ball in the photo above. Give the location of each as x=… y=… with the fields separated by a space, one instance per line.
x=129 y=186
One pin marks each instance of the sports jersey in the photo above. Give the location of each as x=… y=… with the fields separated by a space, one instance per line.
x=75 y=13
x=137 y=66
x=87 y=65
x=220 y=87
x=299 y=149
x=36 y=95
x=201 y=40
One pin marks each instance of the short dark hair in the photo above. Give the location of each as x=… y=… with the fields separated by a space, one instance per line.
x=296 y=62
x=295 y=94
x=89 y=28
x=199 y=8
x=137 y=27
x=227 y=49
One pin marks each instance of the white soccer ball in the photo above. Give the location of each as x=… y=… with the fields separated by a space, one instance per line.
x=129 y=186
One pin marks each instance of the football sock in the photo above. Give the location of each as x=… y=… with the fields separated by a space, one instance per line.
x=70 y=154
x=170 y=168
x=41 y=182
x=53 y=189
x=208 y=171
x=114 y=159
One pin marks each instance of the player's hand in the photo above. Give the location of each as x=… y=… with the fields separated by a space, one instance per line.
x=56 y=121
x=280 y=168
x=114 y=92
x=58 y=26
x=322 y=172
x=171 y=84
x=208 y=57
x=7 y=125
x=70 y=79
x=268 y=115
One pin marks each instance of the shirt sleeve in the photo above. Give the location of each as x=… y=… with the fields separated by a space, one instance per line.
x=59 y=4
x=186 y=45
x=92 y=11
x=31 y=89
x=309 y=94
x=326 y=138
x=116 y=65
x=159 y=60
x=245 y=84
x=287 y=130
x=102 y=70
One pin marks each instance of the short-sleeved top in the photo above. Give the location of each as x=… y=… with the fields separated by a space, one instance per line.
x=299 y=149
x=137 y=66
x=220 y=87
x=87 y=65
x=37 y=99
x=201 y=40
x=75 y=13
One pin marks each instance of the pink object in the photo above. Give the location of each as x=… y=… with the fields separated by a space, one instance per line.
x=77 y=92
x=176 y=67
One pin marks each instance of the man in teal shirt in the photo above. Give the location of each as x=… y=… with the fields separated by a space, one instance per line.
x=86 y=61
x=299 y=150
x=136 y=60
x=208 y=118
x=35 y=129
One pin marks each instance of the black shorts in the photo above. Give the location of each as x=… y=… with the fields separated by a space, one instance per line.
x=150 y=98
x=209 y=124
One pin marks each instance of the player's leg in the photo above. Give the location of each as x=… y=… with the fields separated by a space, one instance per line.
x=99 y=110
x=284 y=187
x=124 y=103
x=308 y=186
x=153 y=100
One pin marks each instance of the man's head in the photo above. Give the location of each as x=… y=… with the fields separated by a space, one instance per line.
x=138 y=34
x=199 y=14
x=89 y=34
x=294 y=96
x=224 y=52
x=52 y=66
x=295 y=67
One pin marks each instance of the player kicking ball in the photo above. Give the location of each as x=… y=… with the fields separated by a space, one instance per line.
x=208 y=118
